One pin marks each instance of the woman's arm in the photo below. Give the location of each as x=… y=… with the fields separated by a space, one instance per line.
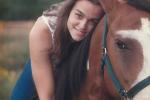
x=40 y=41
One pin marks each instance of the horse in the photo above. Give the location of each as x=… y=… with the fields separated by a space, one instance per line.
x=119 y=54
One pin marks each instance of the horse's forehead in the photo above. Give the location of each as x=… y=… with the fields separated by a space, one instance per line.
x=136 y=33
x=141 y=34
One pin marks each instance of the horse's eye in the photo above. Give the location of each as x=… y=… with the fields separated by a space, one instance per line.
x=121 y=45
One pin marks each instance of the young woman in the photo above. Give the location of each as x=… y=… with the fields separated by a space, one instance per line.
x=50 y=45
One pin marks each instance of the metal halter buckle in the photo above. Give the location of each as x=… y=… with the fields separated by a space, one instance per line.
x=124 y=94
x=104 y=51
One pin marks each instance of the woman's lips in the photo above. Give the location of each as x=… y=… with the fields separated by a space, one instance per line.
x=80 y=32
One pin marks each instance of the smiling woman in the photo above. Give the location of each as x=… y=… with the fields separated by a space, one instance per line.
x=51 y=50
x=75 y=22
x=80 y=21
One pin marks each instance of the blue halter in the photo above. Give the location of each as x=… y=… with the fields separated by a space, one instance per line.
x=106 y=61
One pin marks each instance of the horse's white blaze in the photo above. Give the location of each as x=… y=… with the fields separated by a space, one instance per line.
x=142 y=35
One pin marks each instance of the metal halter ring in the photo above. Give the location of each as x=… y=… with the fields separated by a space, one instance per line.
x=104 y=51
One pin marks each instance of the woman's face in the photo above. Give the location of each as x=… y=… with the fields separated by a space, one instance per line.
x=82 y=19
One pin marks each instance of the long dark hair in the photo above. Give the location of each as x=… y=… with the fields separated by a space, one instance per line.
x=62 y=37
x=70 y=71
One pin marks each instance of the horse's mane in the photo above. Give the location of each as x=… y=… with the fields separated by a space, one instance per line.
x=140 y=4
x=71 y=71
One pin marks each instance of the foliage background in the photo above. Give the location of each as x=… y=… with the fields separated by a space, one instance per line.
x=16 y=20
x=23 y=9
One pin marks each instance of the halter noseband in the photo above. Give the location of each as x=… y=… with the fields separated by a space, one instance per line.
x=106 y=61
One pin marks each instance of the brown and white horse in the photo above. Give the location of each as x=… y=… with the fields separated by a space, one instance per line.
x=127 y=45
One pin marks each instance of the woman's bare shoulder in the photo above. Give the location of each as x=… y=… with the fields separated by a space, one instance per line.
x=40 y=38
x=40 y=27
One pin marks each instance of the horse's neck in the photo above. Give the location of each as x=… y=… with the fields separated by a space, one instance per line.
x=93 y=88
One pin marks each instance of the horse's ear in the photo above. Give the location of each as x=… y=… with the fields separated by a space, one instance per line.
x=110 y=5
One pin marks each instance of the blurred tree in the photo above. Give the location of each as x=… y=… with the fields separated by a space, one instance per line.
x=23 y=9
x=3 y=7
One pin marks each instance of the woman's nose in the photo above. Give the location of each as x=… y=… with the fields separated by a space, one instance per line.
x=83 y=24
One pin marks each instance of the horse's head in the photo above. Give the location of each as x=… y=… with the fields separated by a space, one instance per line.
x=128 y=47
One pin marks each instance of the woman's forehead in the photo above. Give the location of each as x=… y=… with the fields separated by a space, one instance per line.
x=85 y=4
x=86 y=8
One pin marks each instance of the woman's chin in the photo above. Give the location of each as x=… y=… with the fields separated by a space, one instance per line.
x=77 y=39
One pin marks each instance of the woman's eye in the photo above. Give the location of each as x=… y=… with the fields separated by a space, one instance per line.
x=94 y=22
x=79 y=16
x=121 y=45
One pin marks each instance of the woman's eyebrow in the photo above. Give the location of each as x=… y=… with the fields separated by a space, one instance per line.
x=79 y=11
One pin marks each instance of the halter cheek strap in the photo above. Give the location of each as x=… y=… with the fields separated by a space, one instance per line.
x=138 y=87
x=106 y=61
